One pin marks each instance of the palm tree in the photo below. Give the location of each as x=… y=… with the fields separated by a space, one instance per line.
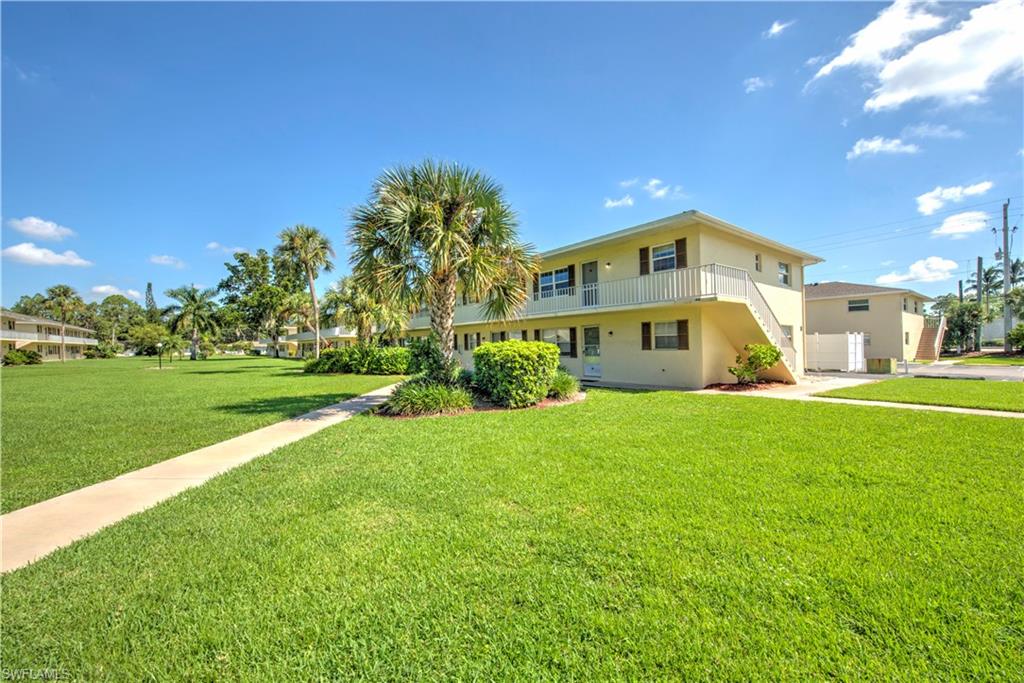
x=63 y=301
x=434 y=229
x=195 y=311
x=991 y=283
x=173 y=344
x=1016 y=275
x=307 y=249
x=350 y=305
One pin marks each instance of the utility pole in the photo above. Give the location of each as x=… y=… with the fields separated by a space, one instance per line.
x=960 y=290
x=979 y=287
x=1007 y=348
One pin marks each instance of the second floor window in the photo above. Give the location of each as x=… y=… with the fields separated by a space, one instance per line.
x=663 y=257
x=757 y=262
x=784 y=274
x=554 y=283
x=858 y=305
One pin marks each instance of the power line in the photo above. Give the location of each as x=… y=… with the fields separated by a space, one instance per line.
x=868 y=239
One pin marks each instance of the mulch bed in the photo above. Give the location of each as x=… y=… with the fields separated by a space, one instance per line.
x=484 y=406
x=759 y=386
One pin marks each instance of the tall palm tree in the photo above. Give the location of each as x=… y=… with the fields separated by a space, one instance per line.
x=991 y=283
x=307 y=249
x=196 y=311
x=63 y=301
x=1016 y=275
x=348 y=304
x=434 y=229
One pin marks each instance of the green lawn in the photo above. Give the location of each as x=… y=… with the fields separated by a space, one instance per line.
x=657 y=535
x=69 y=425
x=993 y=359
x=962 y=393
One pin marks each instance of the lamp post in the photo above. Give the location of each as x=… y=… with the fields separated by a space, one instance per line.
x=160 y=354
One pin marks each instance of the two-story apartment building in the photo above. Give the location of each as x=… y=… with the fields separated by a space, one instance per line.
x=892 y=319
x=666 y=303
x=295 y=344
x=31 y=333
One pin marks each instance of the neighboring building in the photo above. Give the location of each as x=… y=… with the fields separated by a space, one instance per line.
x=294 y=344
x=667 y=303
x=892 y=319
x=29 y=333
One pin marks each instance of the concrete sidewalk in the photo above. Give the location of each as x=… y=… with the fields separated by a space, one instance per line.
x=805 y=392
x=37 y=530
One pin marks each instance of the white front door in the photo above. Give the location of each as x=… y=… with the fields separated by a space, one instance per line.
x=591 y=351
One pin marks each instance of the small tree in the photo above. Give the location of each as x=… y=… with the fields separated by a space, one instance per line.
x=144 y=338
x=759 y=357
x=307 y=250
x=1017 y=338
x=63 y=302
x=195 y=311
x=962 y=321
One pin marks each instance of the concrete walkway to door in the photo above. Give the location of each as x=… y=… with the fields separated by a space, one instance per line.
x=37 y=530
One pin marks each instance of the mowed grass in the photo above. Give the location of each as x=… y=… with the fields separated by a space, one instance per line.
x=961 y=393
x=653 y=535
x=993 y=359
x=69 y=425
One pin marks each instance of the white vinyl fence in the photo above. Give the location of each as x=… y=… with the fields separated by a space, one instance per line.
x=843 y=352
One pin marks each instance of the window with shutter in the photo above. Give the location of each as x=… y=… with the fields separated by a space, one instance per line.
x=645 y=336
x=572 y=342
x=681 y=253
x=645 y=261
x=683 y=335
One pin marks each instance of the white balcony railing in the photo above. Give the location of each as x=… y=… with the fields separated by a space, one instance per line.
x=42 y=336
x=710 y=281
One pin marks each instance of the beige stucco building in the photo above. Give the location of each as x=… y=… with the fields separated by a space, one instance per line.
x=667 y=303
x=30 y=333
x=892 y=319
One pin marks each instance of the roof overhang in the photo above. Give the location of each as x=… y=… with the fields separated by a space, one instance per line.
x=691 y=216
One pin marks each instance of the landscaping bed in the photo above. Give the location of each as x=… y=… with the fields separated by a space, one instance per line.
x=760 y=385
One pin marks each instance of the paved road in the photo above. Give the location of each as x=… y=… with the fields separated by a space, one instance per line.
x=1001 y=373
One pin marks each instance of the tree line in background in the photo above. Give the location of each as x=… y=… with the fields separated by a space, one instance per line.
x=965 y=318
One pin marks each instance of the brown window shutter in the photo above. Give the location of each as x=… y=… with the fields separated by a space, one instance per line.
x=524 y=335
x=681 y=253
x=478 y=339
x=572 y=342
x=536 y=285
x=465 y=341
x=645 y=260
x=683 y=335
x=536 y=335
x=455 y=342
x=645 y=336
x=572 y=275
x=504 y=335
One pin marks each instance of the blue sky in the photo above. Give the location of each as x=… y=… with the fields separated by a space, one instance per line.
x=138 y=136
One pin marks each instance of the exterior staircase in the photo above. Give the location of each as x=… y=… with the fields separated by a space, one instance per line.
x=930 y=345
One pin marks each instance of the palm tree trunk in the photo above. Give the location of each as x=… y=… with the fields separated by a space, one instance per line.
x=316 y=309
x=442 y=315
x=195 y=344
x=63 y=351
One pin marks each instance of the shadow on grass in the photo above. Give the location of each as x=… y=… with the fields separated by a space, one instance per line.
x=285 y=406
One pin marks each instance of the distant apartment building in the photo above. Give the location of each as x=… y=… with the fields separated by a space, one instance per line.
x=892 y=319
x=30 y=333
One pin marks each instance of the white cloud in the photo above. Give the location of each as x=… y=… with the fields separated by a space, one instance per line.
x=958 y=66
x=214 y=246
x=777 y=28
x=880 y=145
x=930 y=202
x=40 y=229
x=629 y=183
x=755 y=83
x=929 y=130
x=29 y=253
x=658 y=189
x=166 y=260
x=931 y=269
x=109 y=290
x=887 y=263
x=889 y=32
x=616 y=203
x=960 y=225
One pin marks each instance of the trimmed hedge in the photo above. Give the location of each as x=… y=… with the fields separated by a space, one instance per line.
x=361 y=359
x=22 y=358
x=515 y=373
x=420 y=396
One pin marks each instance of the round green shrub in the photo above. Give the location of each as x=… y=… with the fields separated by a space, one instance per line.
x=15 y=358
x=515 y=373
x=422 y=397
x=563 y=385
x=389 y=360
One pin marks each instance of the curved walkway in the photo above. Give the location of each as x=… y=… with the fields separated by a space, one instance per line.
x=35 y=531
